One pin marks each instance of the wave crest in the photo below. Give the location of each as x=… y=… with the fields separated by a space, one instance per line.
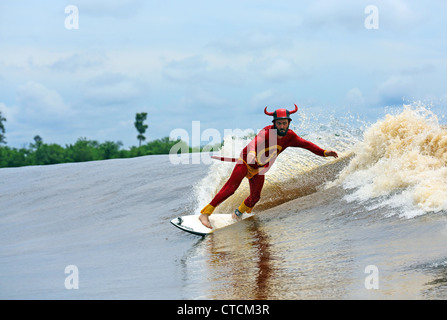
x=403 y=158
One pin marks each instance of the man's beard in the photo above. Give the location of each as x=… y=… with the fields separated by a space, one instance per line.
x=282 y=132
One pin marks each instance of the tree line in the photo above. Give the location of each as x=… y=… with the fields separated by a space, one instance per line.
x=41 y=153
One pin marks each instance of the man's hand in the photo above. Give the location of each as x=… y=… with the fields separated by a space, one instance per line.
x=330 y=153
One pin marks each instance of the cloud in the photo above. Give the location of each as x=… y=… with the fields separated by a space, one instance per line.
x=272 y=99
x=121 y=9
x=401 y=14
x=8 y=112
x=246 y=42
x=186 y=69
x=411 y=82
x=265 y=97
x=395 y=16
x=78 y=61
x=36 y=102
x=327 y=14
x=354 y=97
x=198 y=101
x=393 y=90
x=37 y=110
x=110 y=89
x=204 y=69
x=279 y=70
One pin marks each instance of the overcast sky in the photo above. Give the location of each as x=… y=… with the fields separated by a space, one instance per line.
x=217 y=62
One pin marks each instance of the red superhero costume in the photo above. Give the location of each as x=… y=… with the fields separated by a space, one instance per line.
x=266 y=146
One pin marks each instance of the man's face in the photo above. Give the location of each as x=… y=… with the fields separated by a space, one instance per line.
x=282 y=126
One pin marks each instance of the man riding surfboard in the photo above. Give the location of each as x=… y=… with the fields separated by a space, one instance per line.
x=257 y=158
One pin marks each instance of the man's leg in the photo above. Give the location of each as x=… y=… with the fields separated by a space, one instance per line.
x=239 y=172
x=256 y=183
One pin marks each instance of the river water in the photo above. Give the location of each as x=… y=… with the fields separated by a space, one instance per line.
x=369 y=225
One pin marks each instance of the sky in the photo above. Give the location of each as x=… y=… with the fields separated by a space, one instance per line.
x=66 y=74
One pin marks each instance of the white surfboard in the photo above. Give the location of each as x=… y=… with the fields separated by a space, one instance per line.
x=193 y=225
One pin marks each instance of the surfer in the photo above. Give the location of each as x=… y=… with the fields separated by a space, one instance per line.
x=257 y=158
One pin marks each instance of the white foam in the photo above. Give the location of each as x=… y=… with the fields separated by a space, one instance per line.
x=403 y=157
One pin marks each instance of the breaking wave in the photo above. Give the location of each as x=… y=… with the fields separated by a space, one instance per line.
x=401 y=160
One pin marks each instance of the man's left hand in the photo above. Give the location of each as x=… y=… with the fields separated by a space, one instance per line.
x=331 y=154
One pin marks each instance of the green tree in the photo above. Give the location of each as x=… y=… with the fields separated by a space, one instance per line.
x=83 y=150
x=12 y=157
x=2 y=129
x=49 y=154
x=110 y=149
x=141 y=128
x=38 y=141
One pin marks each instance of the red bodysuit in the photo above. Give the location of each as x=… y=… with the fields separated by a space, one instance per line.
x=266 y=146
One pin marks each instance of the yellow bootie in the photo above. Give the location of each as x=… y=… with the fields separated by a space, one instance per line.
x=243 y=208
x=208 y=209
